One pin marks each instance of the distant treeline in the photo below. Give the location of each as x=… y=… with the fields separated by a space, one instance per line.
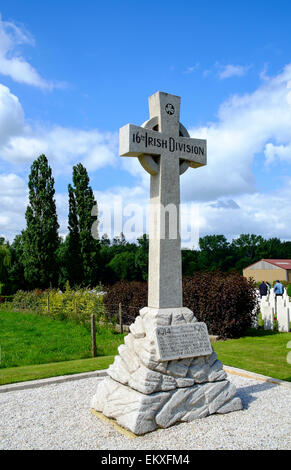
x=40 y=258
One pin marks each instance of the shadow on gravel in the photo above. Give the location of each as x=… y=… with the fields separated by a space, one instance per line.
x=246 y=394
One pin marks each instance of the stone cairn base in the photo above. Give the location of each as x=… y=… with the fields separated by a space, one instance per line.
x=143 y=393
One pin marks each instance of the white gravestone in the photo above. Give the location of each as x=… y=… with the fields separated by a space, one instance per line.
x=166 y=370
x=268 y=317
x=283 y=318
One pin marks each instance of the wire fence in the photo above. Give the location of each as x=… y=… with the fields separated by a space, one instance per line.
x=77 y=311
x=78 y=306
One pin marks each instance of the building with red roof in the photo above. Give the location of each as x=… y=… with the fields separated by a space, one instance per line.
x=269 y=270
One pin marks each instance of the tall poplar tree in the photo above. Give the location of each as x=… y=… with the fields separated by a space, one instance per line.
x=83 y=249
x=41 y=238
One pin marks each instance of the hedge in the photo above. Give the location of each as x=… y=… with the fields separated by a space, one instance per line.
x=6 y=298
x=131 y=294
x=226 y=303
x=76 y=305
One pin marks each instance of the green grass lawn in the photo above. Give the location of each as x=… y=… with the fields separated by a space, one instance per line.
x=43 y=371
x=35 y=347
x=260 y=351
x=28 y=339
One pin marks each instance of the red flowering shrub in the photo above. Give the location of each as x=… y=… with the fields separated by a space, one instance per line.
x=224 y=302
x=131 y=294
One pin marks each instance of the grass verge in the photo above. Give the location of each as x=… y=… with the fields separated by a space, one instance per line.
x=260 y=351
x=29 y=339
x=42 y=347
x=42 y=371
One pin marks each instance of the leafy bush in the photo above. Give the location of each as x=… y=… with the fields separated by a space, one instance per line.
x=131 y=294
x=284 y=283
x=224 y=302
x=6 y=298
x=289 y=290
x=76 y=305
x=27 y=300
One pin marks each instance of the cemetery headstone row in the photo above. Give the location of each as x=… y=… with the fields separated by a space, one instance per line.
x=272 y=306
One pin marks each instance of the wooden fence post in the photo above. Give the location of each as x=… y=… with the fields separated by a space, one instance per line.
x=93 y=336
x=120 y=318
x=75 y=306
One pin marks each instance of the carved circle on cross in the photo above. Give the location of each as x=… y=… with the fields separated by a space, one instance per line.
x=169 y=109
x=149 y=163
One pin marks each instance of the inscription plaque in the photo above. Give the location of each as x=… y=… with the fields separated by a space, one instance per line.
x=182 y=341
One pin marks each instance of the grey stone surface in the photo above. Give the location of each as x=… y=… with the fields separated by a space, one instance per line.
x=165 y=150
x=58 y=417
x=141 y=413
x=187 y=389
x=158 y=378
x=182 y=340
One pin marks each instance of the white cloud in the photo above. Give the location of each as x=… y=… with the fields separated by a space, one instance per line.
x=267 y=214
x=21 y=143
x=245 y=127
x=226 y=188
x=11 y=115
x=230 y=70
x=63 y=146
x=281 y=152
x=13 y=203
x=261 y=213
x=193 y=68
x=12 y=64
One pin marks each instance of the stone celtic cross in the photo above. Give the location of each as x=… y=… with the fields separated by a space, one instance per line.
x=166 y=370
x=165 y=150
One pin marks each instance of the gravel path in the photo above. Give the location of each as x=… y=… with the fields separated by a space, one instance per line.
x=58 y=417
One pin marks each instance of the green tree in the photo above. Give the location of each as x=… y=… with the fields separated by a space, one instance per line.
x=214 y=253
x=123 y=265
x=271 y=248
x=247 y=249
x=72 y=256
x=16 y=269
x=119 y=240
x=247 y=245
x=142 y=256
x=5 y=261
x=62 y=260
x=83 y=249
x=41 y=235
x=190 y=262
x=105 y=240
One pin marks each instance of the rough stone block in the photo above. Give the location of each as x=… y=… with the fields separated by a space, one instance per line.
x=178 y=368
x=148 y=381
x=141 y=413
x=143 y=393
x=234 y=404
x=118 y=371
x=137 y=328
x=129 y=358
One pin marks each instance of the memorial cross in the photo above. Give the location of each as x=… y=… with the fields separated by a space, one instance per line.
x=165 y=150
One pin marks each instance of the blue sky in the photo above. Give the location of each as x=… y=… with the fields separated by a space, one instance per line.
x=72 y=73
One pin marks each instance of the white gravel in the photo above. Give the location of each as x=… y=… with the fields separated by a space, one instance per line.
x=58 y=417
